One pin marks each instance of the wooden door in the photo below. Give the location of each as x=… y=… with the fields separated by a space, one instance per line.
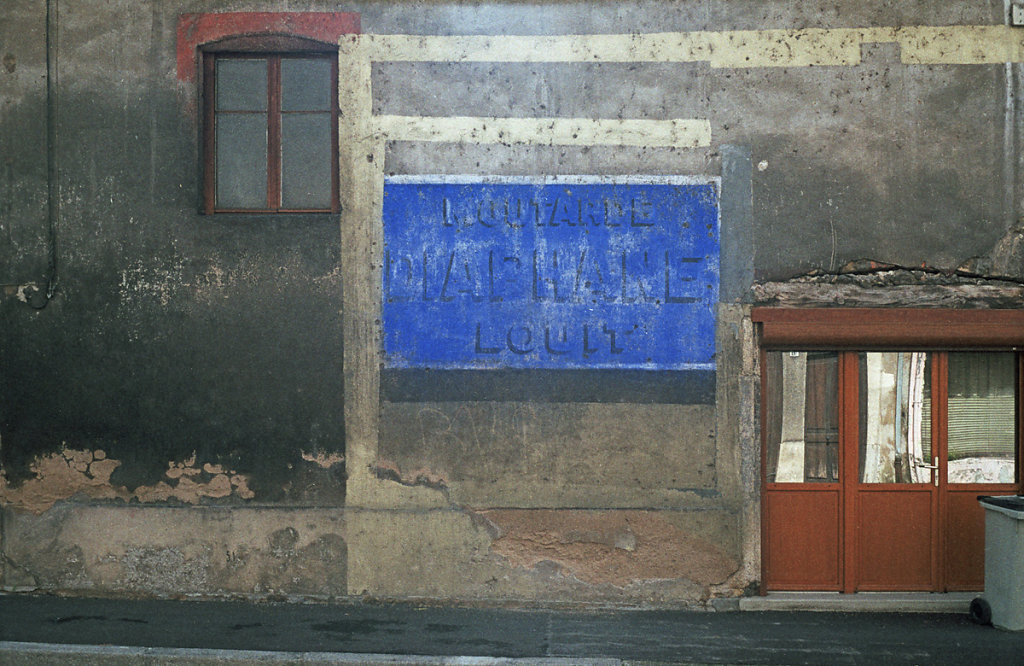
x=981 y=415
x=892 y=497
x=873 y=462
x=803 y=499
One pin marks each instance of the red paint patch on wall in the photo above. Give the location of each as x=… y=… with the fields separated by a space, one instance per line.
x=196 y=29
x=615 y=547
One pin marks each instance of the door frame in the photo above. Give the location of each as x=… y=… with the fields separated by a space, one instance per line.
x=868 y=329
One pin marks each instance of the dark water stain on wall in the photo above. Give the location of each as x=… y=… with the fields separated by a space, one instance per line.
x=172 y=335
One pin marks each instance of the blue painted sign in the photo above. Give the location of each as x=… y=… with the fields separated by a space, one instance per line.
x=583 y=272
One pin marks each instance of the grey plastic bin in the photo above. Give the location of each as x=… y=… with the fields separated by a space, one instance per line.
x=1003 y=602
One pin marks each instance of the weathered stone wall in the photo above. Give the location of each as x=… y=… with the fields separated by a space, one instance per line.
x=194 y=404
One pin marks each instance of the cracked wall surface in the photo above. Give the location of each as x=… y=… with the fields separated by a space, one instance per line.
x=194 y=405
x=177 y=552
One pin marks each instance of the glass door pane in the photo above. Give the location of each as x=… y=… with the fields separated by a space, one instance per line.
x=982 y=420
x=802 y=417
x=895 y=417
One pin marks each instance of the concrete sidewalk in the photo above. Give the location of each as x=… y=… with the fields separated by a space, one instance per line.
x=50 y=630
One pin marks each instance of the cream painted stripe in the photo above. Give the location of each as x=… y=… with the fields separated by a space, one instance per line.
x=954 y=45
x=966 y=46
x=679 y=133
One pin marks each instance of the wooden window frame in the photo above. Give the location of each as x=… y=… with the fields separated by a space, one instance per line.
x=273 y=50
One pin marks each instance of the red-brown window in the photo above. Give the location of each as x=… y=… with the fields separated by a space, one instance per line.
x=270 y=140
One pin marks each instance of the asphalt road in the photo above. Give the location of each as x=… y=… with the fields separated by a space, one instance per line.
x=399 y=629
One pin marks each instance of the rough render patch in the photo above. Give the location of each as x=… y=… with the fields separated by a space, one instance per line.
x=324 y=460
x=61 y=475
x=869 y=283
x=163 y=570
x=1005 y=260
x=317 y=567
x=172 y=551
x=613 y=547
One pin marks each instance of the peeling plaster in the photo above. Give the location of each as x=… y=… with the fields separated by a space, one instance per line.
x=389 y=470
x=329 y=280
x=1004 y=261
x=168 y=282
x=613 y=547
x=868 y=283
x=187 y=488
x=149 y=282
x=21 y=295
x=58 y=476
x=324 y=460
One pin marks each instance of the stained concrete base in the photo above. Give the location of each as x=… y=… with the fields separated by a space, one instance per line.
x=45 y=654
x=888 y=602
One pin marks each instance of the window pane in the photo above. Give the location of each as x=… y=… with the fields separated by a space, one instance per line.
x=241 y=84
x=803 y=422
x=306 y=160
x=306 y=84
x=981 y=417
x=241 y=161
x=895 y=417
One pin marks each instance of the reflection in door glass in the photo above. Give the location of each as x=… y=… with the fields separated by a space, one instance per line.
x=802 y=424
x=981 y=417
x=895 y=417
